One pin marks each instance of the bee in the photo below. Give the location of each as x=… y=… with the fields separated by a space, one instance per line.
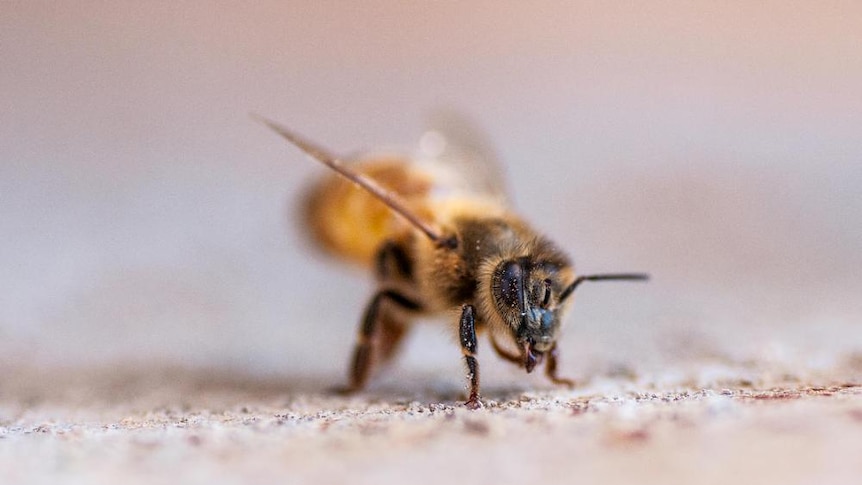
x=441 y=247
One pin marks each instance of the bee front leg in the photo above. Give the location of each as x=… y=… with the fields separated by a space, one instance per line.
x=551 y=369
x=363 y=354
x=467 y=331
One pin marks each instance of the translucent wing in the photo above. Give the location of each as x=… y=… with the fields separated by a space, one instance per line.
x=457 y=144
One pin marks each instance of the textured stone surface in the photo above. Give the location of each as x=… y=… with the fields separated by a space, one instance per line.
x=173 y=426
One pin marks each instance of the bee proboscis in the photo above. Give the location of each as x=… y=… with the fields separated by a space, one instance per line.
x=440 y=251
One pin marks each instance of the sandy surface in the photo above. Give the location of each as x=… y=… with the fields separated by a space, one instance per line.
x=179 y=426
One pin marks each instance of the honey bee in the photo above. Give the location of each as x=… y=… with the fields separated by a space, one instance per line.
x=440 y=245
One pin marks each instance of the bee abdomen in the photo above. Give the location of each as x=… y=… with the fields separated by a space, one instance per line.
x=348 y=222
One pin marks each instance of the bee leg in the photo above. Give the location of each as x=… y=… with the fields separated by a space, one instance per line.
x=363 y=354
x=505 y=354
x=392 y=263
x=393 y=266
x=551 y=369
x=393 y=329
x=467 y=331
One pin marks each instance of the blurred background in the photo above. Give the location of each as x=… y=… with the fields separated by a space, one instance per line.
x=147 y=219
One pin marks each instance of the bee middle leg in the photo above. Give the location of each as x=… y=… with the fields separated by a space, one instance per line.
x=373 y=321
x=393 y=264
x=505 y=354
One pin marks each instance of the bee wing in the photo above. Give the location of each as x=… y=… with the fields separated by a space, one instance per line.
x=456 y=143
x=388 y=197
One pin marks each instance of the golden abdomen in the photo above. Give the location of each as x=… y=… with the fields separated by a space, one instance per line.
x=350 y=223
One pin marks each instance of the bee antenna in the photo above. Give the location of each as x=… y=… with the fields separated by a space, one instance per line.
x=602 y=277
x=391 y=199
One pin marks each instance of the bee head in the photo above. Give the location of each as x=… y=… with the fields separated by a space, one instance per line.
x=531 y=298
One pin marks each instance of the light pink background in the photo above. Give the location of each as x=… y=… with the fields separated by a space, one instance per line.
x=146 y=218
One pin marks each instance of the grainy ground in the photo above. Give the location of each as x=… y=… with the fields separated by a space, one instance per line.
x=139 y=425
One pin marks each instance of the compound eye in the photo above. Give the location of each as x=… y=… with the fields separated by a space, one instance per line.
x=509 y=284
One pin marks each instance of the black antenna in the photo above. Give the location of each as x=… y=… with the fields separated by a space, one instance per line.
x=602 y=277
x=391 y=199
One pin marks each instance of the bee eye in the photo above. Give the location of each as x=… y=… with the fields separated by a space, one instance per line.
x=509 y=284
